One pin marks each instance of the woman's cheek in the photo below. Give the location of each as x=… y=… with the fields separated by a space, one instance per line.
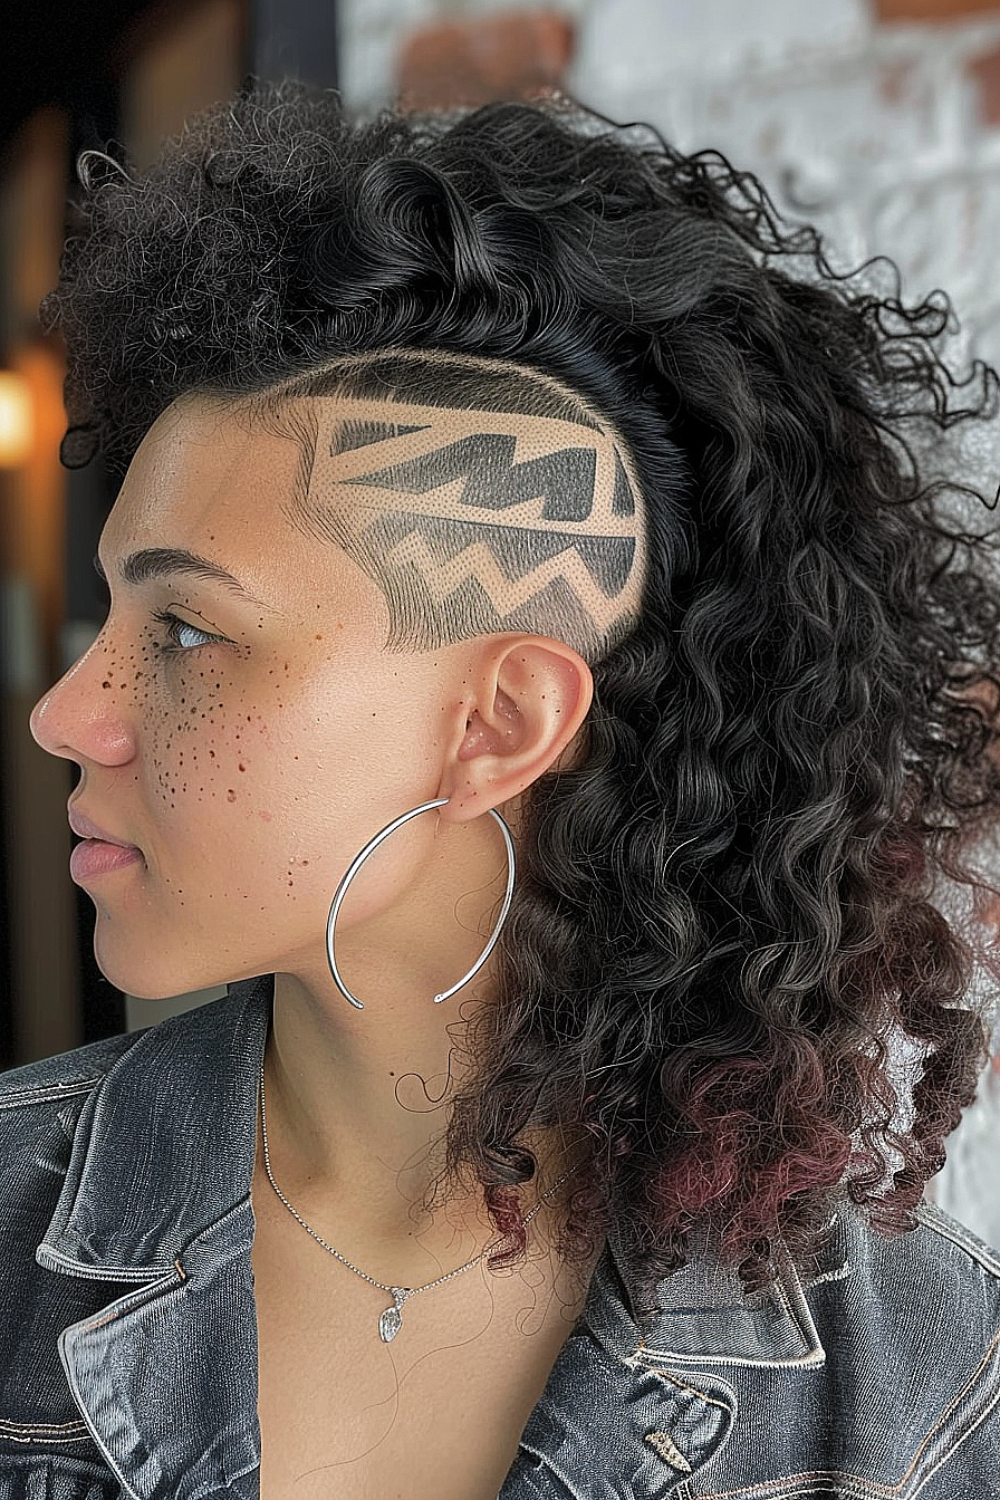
x=196 y=742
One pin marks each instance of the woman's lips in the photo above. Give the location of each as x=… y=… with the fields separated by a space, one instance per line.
x=96 y=857
x=88 y=829
x=100 y=852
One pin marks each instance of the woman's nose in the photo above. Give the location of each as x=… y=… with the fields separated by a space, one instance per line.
x=83 y=716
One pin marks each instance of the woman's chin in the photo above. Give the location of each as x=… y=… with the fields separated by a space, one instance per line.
x=134 y=975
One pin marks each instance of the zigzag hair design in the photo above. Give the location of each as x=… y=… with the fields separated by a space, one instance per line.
x=516 y=510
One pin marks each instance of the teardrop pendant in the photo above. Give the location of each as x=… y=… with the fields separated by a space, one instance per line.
x=391 y=1320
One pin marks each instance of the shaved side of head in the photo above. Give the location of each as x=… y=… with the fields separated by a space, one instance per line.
x=481 y=496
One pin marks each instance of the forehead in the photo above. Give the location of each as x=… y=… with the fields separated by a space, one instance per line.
x=204 y=482
x=202 y=461
x=208 y=481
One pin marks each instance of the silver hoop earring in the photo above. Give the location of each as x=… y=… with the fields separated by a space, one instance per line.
x=359 y=860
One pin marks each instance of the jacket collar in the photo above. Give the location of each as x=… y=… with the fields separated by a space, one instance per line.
x=157 y=1195
x=166 y=1143
x=702 y=1315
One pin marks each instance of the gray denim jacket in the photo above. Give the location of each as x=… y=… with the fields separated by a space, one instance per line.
x=128 y=1354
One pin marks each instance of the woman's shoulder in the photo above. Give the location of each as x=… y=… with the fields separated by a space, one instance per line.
x=940 y=1274
x=47 y=1083
x=890 y=1290
x=94 y=1134
x=47 y=1086
x=40 y=1106
x=44 y=1103
x=948 y=1241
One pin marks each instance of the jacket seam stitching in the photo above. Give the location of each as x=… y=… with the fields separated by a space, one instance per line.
x=137 y=1275
x=839 y=1273
x=675 y=1380
x=45 y=1093
x=937 y=1225
x=945 y=1457
x=54 y=1438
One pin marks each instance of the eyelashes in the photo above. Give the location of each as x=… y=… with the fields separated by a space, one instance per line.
x=173 y=646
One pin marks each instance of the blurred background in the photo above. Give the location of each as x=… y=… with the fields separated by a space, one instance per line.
x=877 y=119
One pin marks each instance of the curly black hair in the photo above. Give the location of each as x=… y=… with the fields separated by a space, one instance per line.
x=728 y=958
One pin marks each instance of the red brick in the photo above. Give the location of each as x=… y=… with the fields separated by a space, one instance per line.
x=984 y=71
x=507 y=56
x=932 y=10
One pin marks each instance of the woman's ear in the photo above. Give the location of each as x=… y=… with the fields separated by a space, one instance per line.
x=532 y=696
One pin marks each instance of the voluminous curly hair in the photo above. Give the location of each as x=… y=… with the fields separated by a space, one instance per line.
x=726 y=959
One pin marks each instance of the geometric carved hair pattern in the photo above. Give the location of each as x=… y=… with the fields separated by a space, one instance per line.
x=476 y=521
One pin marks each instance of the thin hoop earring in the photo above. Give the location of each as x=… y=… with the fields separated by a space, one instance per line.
x=359 y=860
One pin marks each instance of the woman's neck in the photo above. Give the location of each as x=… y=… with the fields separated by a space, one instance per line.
x=357 y=1112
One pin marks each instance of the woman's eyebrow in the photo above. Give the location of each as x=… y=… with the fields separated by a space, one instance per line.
x=163 y=562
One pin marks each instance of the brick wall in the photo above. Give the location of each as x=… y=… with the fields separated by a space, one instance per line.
x=877 y=119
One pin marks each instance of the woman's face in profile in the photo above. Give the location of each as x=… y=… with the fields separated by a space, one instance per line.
x=252 y=744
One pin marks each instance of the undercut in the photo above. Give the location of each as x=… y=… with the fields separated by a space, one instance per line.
x=479 y=495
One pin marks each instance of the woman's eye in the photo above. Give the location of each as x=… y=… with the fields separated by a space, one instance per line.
x=179 y=633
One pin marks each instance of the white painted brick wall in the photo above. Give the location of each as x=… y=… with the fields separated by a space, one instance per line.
x=635 y=43
x=871 y=133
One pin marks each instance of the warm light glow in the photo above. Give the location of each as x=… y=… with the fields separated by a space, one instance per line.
x=17 y=427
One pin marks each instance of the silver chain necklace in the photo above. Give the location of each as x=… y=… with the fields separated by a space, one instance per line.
x=391 y=1319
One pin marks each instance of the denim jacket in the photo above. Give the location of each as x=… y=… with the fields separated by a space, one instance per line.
x=128 y=1348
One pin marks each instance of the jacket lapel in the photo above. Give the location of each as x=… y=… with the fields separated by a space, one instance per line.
x=609 y=1426
x=644 y=1396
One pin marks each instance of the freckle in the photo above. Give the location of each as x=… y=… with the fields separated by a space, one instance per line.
x=231 y=795
x=319 y=637
x=303 y=861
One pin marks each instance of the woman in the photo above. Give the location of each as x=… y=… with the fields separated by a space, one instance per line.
x=544 y=679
